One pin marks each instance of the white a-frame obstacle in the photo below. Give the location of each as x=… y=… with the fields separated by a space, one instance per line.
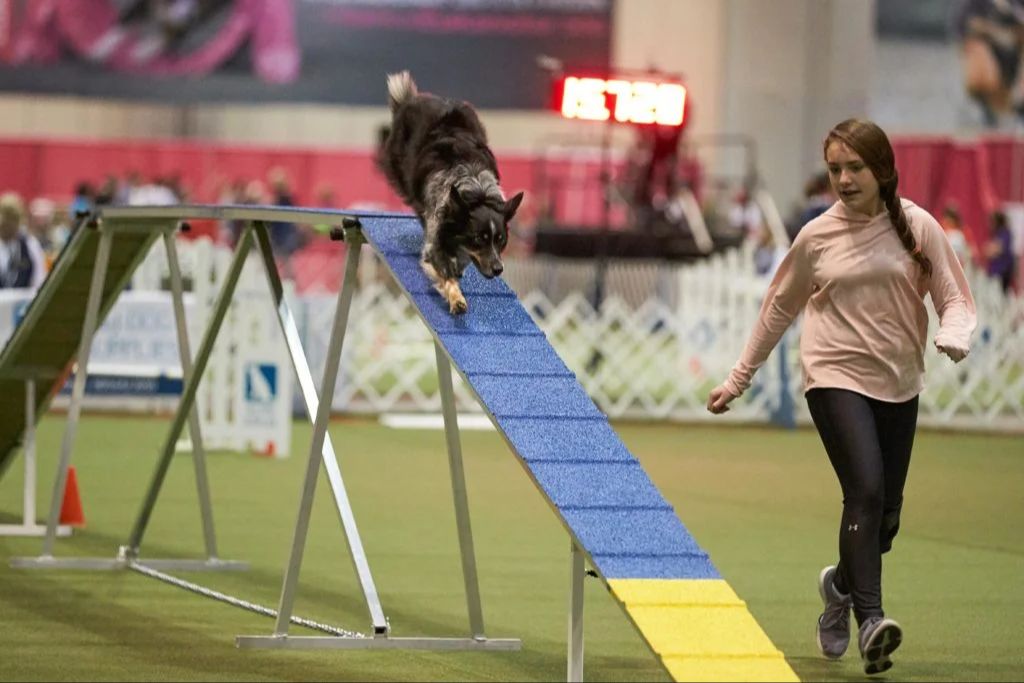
x=105 y=250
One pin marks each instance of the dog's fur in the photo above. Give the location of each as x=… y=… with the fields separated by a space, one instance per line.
x=436 y=157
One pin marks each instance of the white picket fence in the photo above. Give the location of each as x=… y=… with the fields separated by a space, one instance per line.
x=662 y=338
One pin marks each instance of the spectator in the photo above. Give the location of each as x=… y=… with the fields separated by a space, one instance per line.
x=61 y=229
x=232 y=194
x=999 y=251
x=745 y=216
x=818 y=198
x=127 y=189
x=324 y=200
x=107 y=194
x=283 y=234
x=156 y=193
x=83 y=201
x=22 y=263
x=954 y=227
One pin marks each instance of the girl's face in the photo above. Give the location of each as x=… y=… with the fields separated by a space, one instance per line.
x=852 y=180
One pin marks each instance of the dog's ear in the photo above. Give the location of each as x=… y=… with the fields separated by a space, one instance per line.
x=456 y=199
x=512 y=205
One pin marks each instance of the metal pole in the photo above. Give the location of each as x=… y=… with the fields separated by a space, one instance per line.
x=308 y=389
x=323 y=413
x=575 y=666
x=29 y=500
x=601 y=255
x=451 y=432
x=185 y=352
x=92 y=311
x=188 y=394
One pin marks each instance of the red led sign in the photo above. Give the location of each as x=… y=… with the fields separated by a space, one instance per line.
x=625 y=101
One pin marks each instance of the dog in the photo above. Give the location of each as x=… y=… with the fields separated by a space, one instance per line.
x=437 y=159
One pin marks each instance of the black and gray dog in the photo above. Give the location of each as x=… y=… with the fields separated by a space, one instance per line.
x=436 y=157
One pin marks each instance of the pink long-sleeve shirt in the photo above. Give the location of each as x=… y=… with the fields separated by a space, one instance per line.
x=865 y=324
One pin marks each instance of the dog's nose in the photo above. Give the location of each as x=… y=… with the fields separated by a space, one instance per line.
x=498 y=268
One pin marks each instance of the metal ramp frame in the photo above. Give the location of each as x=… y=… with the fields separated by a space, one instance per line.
x=155 y=221
x=40 y=353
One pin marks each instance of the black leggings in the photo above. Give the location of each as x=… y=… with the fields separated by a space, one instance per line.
x=869 y=443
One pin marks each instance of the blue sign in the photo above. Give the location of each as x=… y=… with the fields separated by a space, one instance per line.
x=260 y=382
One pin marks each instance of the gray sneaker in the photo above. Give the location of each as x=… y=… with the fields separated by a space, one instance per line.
x=879 y=637
x=834 y=623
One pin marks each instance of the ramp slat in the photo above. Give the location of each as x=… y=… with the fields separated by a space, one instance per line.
x=610 y=484
x=504 y=355
x=539 y=440
x=501 y=314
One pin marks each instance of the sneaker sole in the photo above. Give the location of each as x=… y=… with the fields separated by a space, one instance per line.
x=882 y=644
x=821 y=584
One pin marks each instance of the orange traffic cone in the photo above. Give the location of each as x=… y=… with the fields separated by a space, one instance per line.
x=71 y=507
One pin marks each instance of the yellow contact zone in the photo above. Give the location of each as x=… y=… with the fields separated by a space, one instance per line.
x=701 y=630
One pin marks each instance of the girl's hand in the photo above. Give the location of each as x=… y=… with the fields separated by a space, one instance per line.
x=718 y=401
x=955 y=353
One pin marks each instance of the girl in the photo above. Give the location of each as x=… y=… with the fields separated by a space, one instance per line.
x=860 y=273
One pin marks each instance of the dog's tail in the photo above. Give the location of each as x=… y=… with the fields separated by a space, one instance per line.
x=401 y=89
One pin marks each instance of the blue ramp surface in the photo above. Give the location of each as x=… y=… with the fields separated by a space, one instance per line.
x=688 y=615
x=597 y=486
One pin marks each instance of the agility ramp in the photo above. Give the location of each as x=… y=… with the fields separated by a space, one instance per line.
x=38 y=356
x=667 y=585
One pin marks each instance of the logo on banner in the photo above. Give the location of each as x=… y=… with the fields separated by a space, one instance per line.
x=260 y=382
x=20 y=308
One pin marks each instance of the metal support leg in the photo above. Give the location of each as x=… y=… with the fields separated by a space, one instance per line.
x=92 y=310
x=188 y=394
x=451 y=431
x=318 y=449
x=28 y=526
x=185 y=352
x=28 y=506
x=575 y=667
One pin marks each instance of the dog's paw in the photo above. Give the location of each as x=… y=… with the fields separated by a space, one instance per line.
x=458 y=306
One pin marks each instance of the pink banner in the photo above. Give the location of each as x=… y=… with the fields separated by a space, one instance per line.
x=91 y=30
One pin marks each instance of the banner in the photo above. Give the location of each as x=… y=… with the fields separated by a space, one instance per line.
x=485 y=51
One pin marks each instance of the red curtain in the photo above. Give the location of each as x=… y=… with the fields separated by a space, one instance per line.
x=934 y=171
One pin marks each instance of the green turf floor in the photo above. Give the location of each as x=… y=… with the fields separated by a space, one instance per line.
x=763 y=502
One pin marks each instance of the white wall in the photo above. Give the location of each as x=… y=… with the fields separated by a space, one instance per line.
x=781 y=71
x=794 y=68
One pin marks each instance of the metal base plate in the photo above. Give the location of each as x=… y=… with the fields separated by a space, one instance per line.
x=31 y=530
x=383 y=643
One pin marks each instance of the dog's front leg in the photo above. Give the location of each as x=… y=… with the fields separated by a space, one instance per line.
x=444 y=283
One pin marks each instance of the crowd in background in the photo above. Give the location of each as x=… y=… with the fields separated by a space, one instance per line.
x=32 y=233
x=995 y=254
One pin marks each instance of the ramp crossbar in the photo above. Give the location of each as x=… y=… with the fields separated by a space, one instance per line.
x=237 y=602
